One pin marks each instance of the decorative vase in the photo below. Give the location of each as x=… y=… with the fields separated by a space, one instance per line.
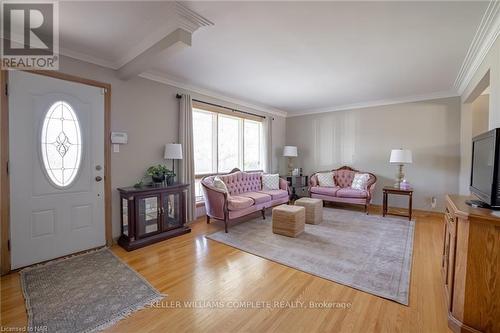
x=405 y=185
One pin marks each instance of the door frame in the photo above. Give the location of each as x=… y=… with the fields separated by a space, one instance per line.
x=5 y=263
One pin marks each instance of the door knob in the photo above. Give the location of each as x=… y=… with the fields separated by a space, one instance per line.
x=98 y=178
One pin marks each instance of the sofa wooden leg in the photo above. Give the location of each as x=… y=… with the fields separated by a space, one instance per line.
x=208 y=219
x=263 y=211
x=225 y=225
x=366 y=209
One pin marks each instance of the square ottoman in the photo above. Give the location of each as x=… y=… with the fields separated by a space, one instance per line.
x=289 y=220
x=314 y=209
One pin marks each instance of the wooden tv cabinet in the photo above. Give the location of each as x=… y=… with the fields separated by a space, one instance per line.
x=471 y=266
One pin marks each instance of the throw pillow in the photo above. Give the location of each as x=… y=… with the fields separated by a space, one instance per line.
x=326 y=179
x=219 y=183
x=360 y=181
x=271 y=182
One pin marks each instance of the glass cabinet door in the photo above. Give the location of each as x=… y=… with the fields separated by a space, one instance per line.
x=171 y=211
x=148 y=215
x=125 y=216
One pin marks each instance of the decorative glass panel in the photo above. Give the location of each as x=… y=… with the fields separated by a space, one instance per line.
x=125 y=216
x=171 y=218
x=148 y=215
x=151 y=223
x=61 y=144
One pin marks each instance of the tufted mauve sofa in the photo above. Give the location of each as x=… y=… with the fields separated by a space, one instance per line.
x=245 y=196
x=343 y=192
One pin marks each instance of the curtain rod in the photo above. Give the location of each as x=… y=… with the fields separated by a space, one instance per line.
x=178 y=96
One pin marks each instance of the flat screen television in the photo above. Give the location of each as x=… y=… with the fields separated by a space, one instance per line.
x=484 y=179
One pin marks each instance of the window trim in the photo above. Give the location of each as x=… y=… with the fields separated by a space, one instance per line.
x=227 y=111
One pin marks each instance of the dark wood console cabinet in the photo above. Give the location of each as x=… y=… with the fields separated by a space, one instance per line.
x=150 y=214
x=470 y=266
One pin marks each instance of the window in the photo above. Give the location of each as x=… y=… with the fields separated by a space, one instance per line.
x=252 y=145
x=203 y=142
x=61 y=144
x=224 y=141
x=229 y=152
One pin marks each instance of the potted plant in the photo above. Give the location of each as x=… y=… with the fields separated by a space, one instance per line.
x=157 y=173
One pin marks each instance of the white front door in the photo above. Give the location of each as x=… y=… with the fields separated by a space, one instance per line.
x=56 y=167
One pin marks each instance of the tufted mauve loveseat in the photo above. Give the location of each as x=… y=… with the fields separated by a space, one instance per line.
x=245 y=196
x=342 y=191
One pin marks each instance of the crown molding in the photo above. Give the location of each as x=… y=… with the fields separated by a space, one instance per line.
x=486 y=34
x=188 y=19
x=161 y=78
x=88 y=58
x=73 y=54
x=382 y=102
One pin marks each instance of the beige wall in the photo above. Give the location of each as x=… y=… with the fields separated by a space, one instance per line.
x=480 y=115
x=363 y=139
x=489 y=67
x=148 y=112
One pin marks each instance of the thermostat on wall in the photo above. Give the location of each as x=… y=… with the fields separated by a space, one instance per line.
x=119 y=138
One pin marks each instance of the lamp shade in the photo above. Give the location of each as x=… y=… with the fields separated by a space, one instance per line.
x=401 y=156
x=290 y=151
x=173 y=151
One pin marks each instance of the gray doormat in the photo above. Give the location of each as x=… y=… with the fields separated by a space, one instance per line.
x=366 y=252
x=84 y=293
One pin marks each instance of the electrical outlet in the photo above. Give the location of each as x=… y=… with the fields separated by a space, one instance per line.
x=433 y=202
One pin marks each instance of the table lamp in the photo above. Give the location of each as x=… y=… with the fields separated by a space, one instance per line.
x=173 y=151
x=290 y=151
x=400 y=157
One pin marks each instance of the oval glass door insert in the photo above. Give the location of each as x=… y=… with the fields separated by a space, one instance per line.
x=61 y=144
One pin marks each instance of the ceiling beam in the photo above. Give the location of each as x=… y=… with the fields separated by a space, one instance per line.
x=170 y=44
x=183 y=22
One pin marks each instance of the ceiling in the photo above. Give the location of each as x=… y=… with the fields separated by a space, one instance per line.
x=298 y=57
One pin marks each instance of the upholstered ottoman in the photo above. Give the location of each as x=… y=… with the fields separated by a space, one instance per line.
x=314 y=209
x=289 y=220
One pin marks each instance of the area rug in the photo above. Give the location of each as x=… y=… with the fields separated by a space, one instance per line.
x=366 y=252
x=84 y=293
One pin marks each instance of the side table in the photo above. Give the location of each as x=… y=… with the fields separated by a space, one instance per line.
x=295 y=183
x=397 y=191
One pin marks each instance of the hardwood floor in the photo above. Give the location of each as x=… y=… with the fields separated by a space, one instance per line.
x=193 y=268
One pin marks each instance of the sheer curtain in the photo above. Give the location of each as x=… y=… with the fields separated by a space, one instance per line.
x=186 y=165
x=268 y=144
